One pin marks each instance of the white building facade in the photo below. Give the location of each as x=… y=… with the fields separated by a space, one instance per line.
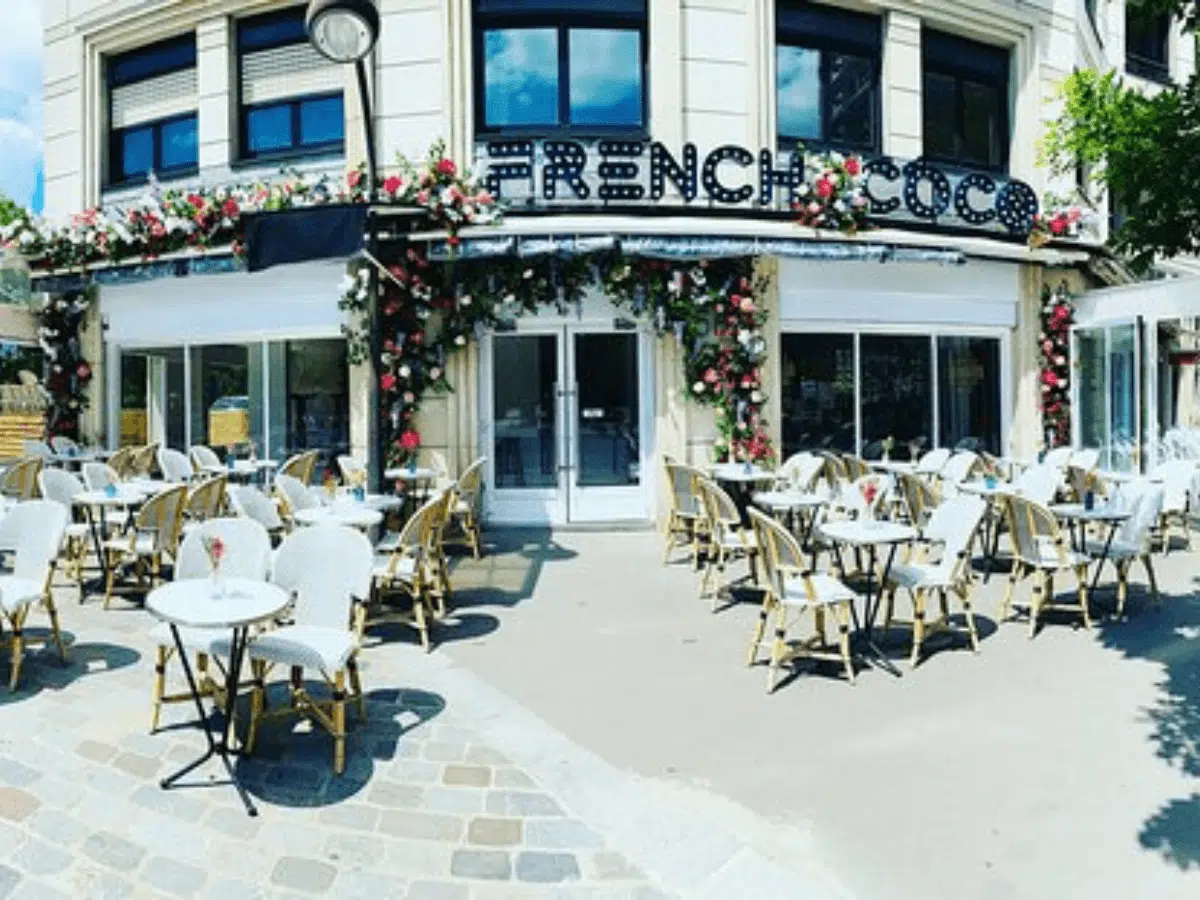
x=936 y=344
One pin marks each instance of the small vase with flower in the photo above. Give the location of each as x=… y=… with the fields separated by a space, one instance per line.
x=214 y=548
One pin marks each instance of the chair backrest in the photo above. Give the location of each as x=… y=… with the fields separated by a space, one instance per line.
x=719 y=509
x=63 y=444
x=204 y=457
x=33 y=447
x=247 y=550
x=855 y=467
x=122 y=461
x=801 y=469
x=1059 y=457
x=301 y=466
x=470 y=485
x=60 y=486
x=141 y=463
x=1039 y=483
x=853 y=498
x=162 y=517
x=256 y=505
x=351 y=469
x=97 y=475
x=931 y=463
x=919 y=498
x=1176 y=475
x=1144 y=500
x=325 y=567
x=1086 y=459
x=175 y=466
x=439 y=466
x=779 y=551
x=959 y=467
x=1034 y=529
x=21 y=479
x=295 y=494
x=34 y=530
x=206 y=498
x=685 y=494
x=953 y=525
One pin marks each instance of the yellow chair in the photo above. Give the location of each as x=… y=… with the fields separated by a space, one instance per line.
x=465 y=510
x=1040 y=550
x=727 y=541
x=21 y=479
x=154 y=536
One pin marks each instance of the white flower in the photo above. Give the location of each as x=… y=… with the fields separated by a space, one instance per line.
x=364 y=274
x=405 y=371
x=459 y=340
x=510 y=298
x=347 y=284
x=756 y=397
x=464 y=300
x=698 y=387
x=527 y=274
x=744 y=337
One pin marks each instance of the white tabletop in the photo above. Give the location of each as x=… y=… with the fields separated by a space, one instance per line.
x=355 y=515
x=1100 y=513
x=791 y=499
x=999 y=489
x=241 y=467
x=870 y=531
x=738 y=472
x=81 y=457
x=124 y=496
x=193 y=602
x=887 y=465
x=404 y=473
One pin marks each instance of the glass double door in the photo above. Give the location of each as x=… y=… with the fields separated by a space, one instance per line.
x=565 y=420
x=1107 y=393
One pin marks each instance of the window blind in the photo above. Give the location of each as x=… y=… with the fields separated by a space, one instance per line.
x=284 y=72
x=159 y=97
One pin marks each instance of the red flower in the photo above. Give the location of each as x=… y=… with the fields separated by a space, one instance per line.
x=446 y=167
x=452 y=240
x=711 y=376
x=84 y=371
x=230 y=208
x=852 y=166
x=353 y=178
x=410 y=440
x=824 y=188
x=1058 y=224
x=387 y=381
x=196 y=200
x=393 y=184
x=1049 y=379
x=389 y=346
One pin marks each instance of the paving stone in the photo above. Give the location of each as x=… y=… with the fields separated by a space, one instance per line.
x=368 y=885
x=29 y=889
x=415 y=771
x=418 y=859
x=233 y=823
x=174 y=877
x=467 y=776
x=490 y=865
x=37 y=857
x=437 y=890
x=10 y=878
x=99 y=884
x=394 y=794
x=96 y=751
x=112 y=850
x=486 y=756
x=57 y=827
x=444 y=751
x=351 y=849
x=561 y=834
x=512 y=778
x=308 y=875
x=137 y=765
x=461 y=800
x=522 y=803
x=606 y=865
x=421 y=826
x=17 y=805
x=224 y=888
x=358 y=817
x=547 y=868
x=494 y=832
x=171 y=803
x=16 y=774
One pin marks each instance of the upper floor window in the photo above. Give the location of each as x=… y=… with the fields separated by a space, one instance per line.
x=152 y=111
x=965 y=101
x=560 y=64
x=291 y=96
x=1146 y=40
x=827 y=76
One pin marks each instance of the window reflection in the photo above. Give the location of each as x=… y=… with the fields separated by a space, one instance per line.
x=897 y=389
x=799 y=92
x=137 y=152
x=818 y=392
x=179 y=143
x=606 y=77
x=227 y=401
x=322 y=121
x=269 y=128
x=520 y=77
x=525 y=374
x=309 y=397
x=969 y=393
x=606 y=375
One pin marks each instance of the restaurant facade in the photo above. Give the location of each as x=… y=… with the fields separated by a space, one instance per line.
x=866 y=171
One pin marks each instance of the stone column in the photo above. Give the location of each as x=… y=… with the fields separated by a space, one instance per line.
x=902 y=115
x=215 y=58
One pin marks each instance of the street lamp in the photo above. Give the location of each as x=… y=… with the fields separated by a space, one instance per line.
x=345 y=31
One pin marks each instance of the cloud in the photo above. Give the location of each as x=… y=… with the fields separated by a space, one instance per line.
x=21 y=99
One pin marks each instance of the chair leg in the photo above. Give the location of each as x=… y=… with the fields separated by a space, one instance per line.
x=778 y=647
x=1122 y=585
x=1084 y=604
x=258 y=669
x=160 y=685
x=55 y=632
x=918 y=625
x=843 y=614
x=669 y=537
x=108 y=579
x=339 y=722
x=1153 y=581
x=1035 y=603
x=360 y=704
x=969 y=613
x=18 y=646
x=760 y=628
x=890 y=610
x=420 y=620
x=1006 y=605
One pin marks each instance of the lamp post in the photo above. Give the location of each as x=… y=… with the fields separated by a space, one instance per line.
x=345 y=31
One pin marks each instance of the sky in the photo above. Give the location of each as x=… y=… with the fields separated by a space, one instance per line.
x=21 y=102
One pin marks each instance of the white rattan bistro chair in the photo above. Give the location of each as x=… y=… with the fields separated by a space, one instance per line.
x=20 y=481
x=63 y=487
x=791 y=591
x=63 y=445
x=328 y=570
x=34 y=447
x=142 y=462
x=206 y=500
x=247 y=555
x=685 y=514
x=466 y=510
x=97 y=475
x=727 y=541
x=1134 y=539
x=958 y=468
x=930 y=464
x=1086 y=458
x=252 y=503
x=175 y=466
x=415 y=566
x=204 y=458
x=949 y=535
x=153 y=537
x=295 y=496
x=301 y=466
x=1058 y=458
x=920 y=499
x=1041 y=550
x=1039 y=483
x=34 y=530
x=1176 y=476
x=352 y=469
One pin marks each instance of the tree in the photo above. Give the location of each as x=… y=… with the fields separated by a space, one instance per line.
x=9 y=210
x=1139 y=147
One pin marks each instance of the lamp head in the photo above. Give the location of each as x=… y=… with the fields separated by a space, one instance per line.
x=343 y=31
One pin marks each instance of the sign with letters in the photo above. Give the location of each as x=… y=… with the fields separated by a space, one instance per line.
x=633 y=173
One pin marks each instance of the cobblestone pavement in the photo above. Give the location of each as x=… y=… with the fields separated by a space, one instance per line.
x=428 y=808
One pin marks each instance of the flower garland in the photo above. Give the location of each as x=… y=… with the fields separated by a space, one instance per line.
x=68 y=373
x=834 y=194
x=1066 y=222
x=1057 y=314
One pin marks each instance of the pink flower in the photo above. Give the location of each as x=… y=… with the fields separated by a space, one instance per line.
x=230 y=208
x=410 y=440
x=393 y=184
x=1058 y=225
x=387 y=381
x=446 y=167
x=710 y=376
x=852 y=166
x=824 y=188
x=353 y=178
x=1049 y=379
x=423 y=198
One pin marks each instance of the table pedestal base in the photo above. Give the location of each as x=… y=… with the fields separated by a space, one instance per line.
x=217 y=746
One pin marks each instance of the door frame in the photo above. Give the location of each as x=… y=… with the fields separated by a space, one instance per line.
x=1139 y=386
x=567 y=503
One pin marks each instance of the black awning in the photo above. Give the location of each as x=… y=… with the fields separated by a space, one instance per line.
x=299 y=235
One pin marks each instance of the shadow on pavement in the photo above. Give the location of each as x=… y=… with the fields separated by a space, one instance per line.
x=43 y=670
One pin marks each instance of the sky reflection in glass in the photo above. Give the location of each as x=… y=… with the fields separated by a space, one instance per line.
x=520 y=77
x=606 y=77
x=799 y=92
